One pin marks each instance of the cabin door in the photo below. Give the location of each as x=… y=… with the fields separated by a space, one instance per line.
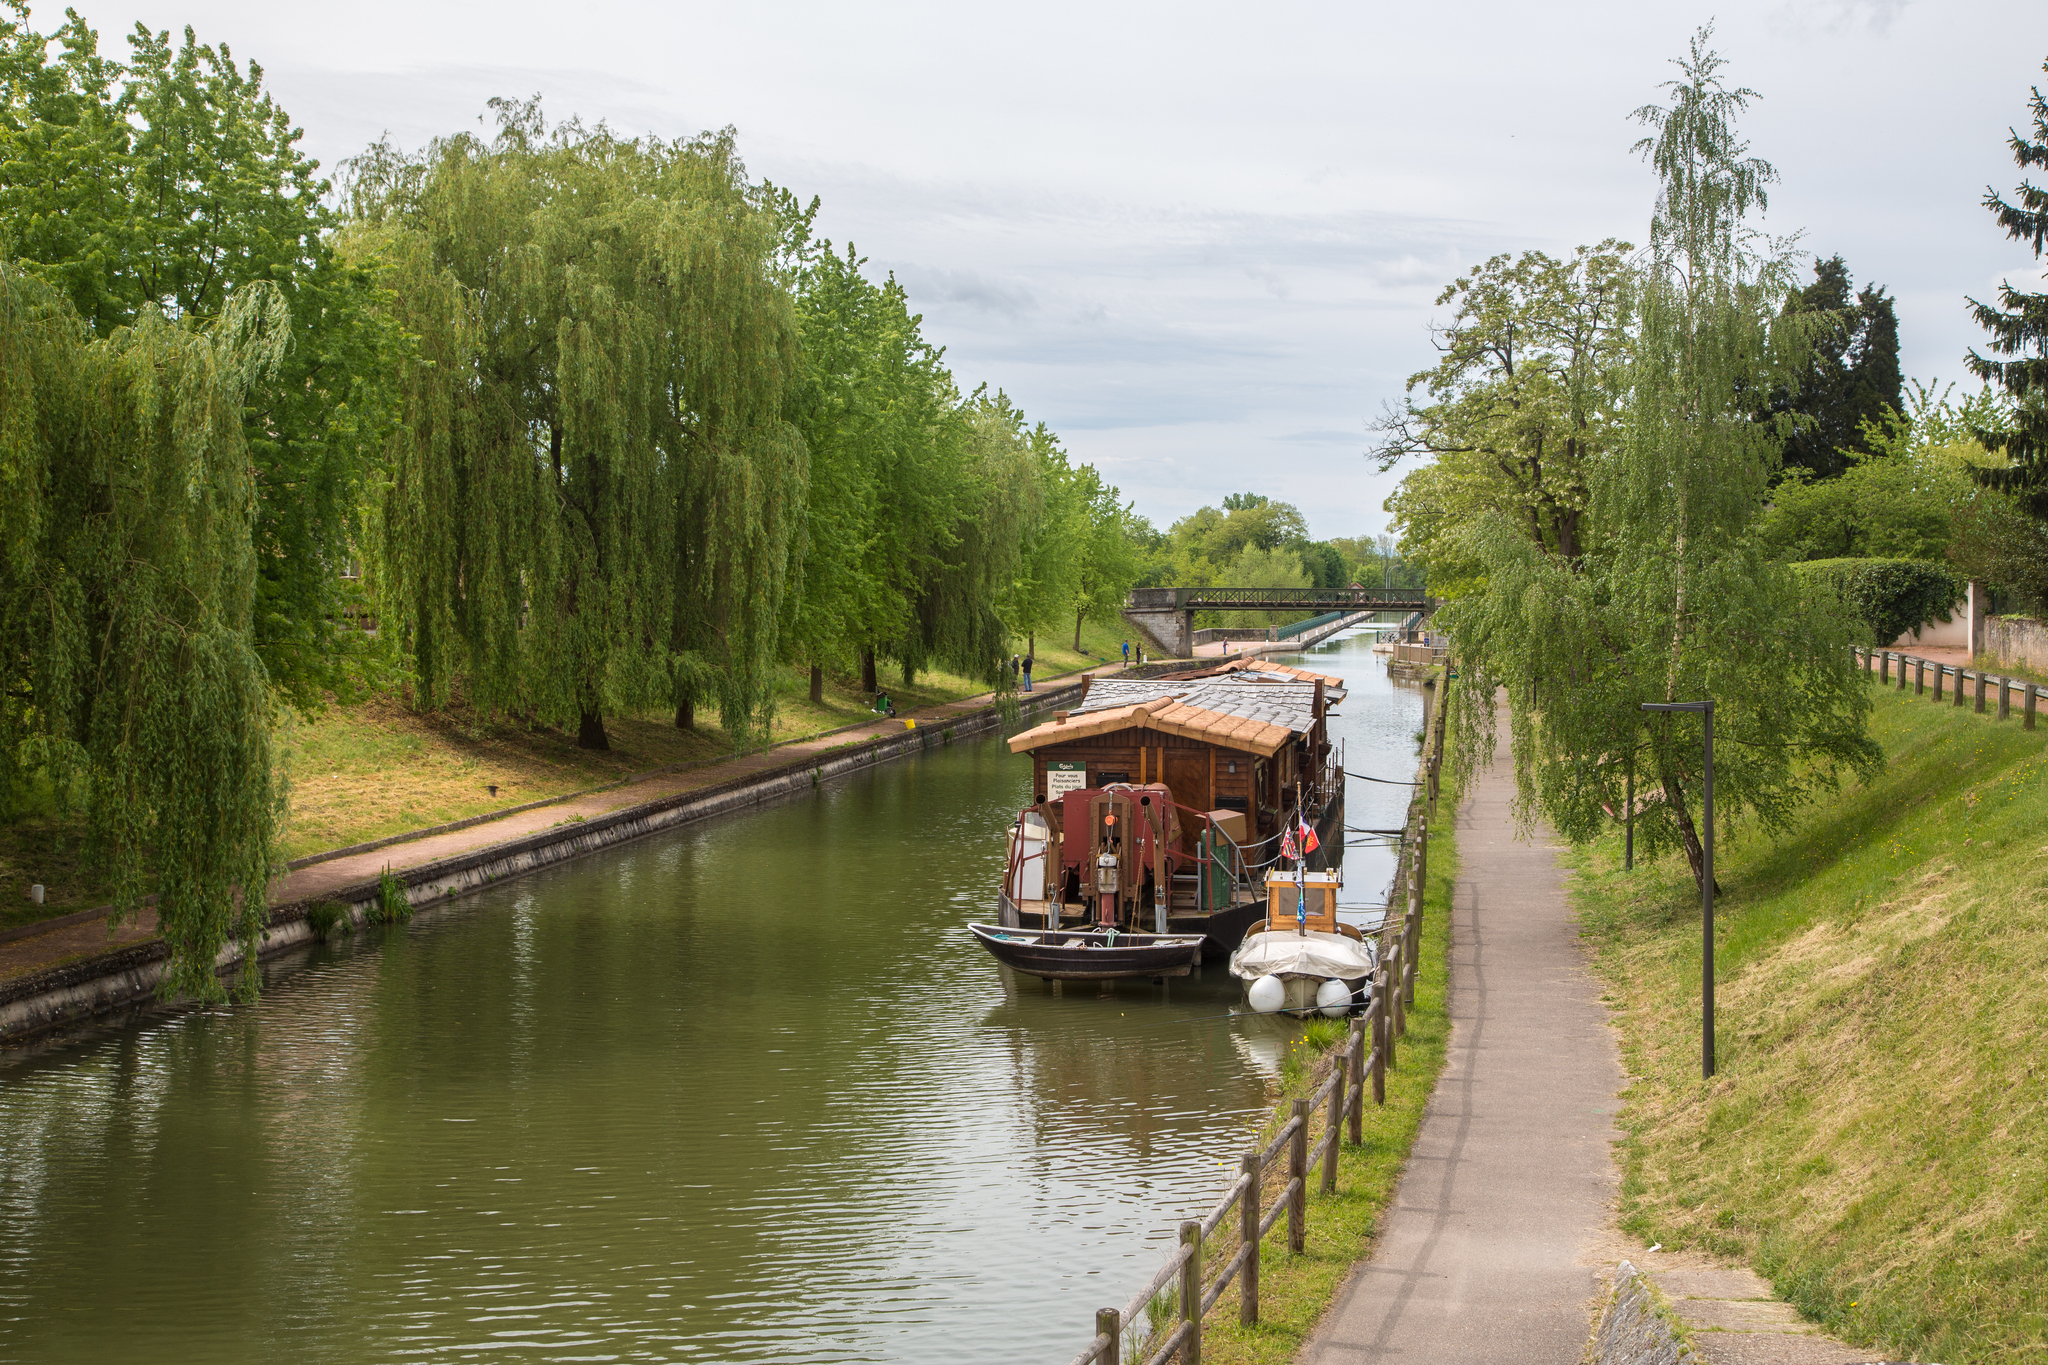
x=1187 y=772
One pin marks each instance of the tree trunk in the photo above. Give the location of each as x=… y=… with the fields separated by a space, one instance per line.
x=1688 y=833
x=817 y=683
x=1077 y=630
x=868 y=682
x=686 y=715
x=590 y=732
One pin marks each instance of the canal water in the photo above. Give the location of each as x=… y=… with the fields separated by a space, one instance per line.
x=745 y=1092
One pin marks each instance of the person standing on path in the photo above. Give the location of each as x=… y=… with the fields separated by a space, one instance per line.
x=1127 y=654
x=1485 y=1253
x=1027 y=672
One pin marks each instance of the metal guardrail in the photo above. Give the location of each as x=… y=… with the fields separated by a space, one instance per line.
x=1302 y=627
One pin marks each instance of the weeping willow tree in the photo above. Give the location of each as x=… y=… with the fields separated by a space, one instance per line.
x=593 y=492
x=127 y=577
x=1675 y=599
x=994 y=502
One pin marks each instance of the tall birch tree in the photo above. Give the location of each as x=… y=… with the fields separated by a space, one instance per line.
x=1676 y=599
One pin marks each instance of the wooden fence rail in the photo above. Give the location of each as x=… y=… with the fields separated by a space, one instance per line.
x=1362 y=1068
x=1890 y=666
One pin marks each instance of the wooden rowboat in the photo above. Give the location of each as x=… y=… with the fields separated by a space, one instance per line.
x=1090 y=954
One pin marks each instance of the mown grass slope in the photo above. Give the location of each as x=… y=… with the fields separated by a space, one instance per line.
x=1876 y=1142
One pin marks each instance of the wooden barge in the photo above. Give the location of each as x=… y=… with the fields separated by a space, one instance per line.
x=1160 y=803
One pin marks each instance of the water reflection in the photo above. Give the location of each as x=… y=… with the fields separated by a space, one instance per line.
x=746 y=1092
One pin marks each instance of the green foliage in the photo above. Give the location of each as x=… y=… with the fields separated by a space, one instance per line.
x=1674 y=598
x=1888 y=596
x=127 y=587
x=2018 y=324
x=1851 y=376
x=170 y=183
x=326 y=918
x=1521 y=406
x=393 y=905
x=593 y=489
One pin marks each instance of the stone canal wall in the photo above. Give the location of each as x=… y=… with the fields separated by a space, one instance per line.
x=126 y=977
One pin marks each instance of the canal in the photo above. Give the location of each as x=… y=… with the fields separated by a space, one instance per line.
x=744 y=1092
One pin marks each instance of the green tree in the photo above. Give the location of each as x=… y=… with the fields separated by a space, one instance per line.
x=1521 y=406
x=1108 y=552
x=171 y=183
x=2018 y=324
x=1675 y=599
x=594 y=493
x=879 y=416
x=127 y=588
x=1851 y=377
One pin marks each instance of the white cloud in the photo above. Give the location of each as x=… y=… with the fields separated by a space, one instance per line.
x=1192 y=245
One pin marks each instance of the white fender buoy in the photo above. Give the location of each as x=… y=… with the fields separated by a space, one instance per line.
x=1333 y=998
x=1267 y=995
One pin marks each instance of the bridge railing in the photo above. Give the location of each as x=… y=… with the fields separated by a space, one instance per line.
x=1225 y=599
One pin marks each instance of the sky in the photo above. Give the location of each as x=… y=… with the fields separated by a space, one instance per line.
x=1203 y=242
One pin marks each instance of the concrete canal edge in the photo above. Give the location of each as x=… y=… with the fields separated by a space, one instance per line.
x=1635 y=1328
x=72 y=992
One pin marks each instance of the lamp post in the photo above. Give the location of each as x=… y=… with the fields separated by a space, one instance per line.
x=1706 y=710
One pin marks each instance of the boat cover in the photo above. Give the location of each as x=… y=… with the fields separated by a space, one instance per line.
x=1287 y=952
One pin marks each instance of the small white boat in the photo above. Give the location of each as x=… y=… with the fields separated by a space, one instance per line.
x=1301 y=959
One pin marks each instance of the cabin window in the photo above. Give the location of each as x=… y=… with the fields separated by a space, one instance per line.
x=1103 y=779
x=1232 y=803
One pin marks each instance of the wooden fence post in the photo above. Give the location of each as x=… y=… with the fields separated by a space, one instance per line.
x=1359 y=1028
x=1940 y=671
x=1248 y=1237
x=1388 y=1006
x=1919 y=676
x=1980 y=691
x=1297 y=1187
x=1191 y=1293
x=1379 y=1047
x=2030 y=706
x=1109 y=1323
x=1902 y=673
x=1884 y=668
x=1333 y=1135
x=1411 y=935
x=2004 y=698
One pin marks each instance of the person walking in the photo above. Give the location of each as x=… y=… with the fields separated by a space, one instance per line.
x=1127 y=654
x=1027 y=672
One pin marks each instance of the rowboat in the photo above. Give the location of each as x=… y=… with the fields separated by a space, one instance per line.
x=1090 y=954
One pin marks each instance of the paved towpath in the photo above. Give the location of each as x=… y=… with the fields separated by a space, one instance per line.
x=71 y=941
x=1489 y=1252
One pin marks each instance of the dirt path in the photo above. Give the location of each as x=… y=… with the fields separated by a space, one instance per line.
x=68 y=942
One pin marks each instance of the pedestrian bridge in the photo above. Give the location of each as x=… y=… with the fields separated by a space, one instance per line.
x=1168 y=614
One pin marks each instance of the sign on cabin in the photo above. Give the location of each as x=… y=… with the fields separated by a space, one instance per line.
x=1061 y=778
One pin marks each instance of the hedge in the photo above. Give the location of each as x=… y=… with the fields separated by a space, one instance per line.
x=1889 y=596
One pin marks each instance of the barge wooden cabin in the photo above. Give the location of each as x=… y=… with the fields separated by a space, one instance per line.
x=1241 y=747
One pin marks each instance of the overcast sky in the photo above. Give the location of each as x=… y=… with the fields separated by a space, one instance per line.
x=1202 y=242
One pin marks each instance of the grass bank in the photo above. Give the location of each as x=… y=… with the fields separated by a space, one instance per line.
x=1294 y=1291
x=379 y=768
x=1876 y=1142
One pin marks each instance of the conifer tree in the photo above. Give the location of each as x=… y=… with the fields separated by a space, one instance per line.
x=2018 y=324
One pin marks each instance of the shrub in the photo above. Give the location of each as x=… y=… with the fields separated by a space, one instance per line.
x=325 y=917
x=1888 y=596
x=393 y=907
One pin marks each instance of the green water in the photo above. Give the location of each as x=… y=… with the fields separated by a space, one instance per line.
x=746 y=1092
